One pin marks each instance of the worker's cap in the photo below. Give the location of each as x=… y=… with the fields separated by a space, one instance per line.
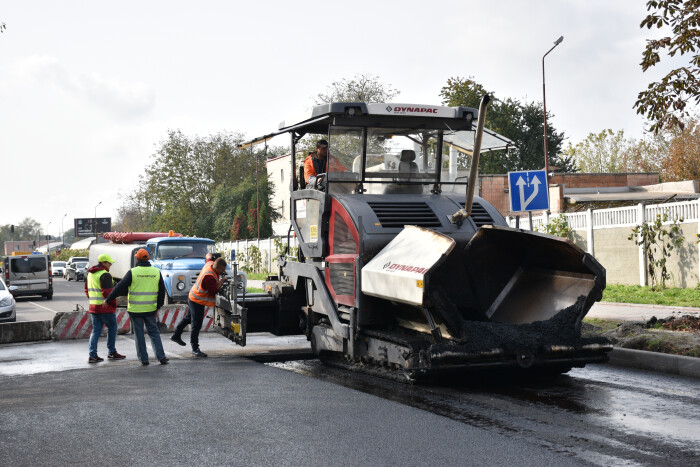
x=322 y=143
x=141 y=254
x=105 y=259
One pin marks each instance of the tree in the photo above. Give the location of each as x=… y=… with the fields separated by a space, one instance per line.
x=603 y=152
x=361 y=88
x=664 y=102
x=178 y=186
x=234 y=210
x=683 y=161
x=523 y=123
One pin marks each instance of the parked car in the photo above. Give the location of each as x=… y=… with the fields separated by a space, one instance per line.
x=72 y=260
x=7 y=304
x=58 y=267
x=76 y=271
x=30 y=274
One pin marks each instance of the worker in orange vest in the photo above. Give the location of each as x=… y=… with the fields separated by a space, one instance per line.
x=316 y=163
x=202 y=294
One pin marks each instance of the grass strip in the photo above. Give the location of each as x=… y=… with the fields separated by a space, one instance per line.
x=645 y=295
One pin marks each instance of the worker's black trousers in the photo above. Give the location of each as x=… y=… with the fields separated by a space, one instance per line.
x=195 y=316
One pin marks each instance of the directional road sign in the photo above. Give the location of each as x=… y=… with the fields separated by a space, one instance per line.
x=528 y=191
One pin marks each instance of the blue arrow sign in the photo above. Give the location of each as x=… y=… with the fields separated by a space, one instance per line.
x=528 y=191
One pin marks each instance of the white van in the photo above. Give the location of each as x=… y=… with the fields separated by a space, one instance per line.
x=31 y=274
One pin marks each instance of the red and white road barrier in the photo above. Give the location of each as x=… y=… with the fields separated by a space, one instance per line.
x=78 y=325
x=170 y=315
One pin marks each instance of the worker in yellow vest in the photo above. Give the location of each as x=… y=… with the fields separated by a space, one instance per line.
x=202 y=294
x=98 y=285
x=146 y=291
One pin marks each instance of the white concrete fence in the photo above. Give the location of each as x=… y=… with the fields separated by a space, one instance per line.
x=266 y=246
x=604 y=232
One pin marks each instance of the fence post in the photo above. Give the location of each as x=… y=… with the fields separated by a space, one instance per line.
x=642 y=253
x=589 y=231
x=698 y=244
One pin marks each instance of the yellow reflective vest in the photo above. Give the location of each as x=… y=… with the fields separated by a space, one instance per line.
x=143 y=291
x=94 y=289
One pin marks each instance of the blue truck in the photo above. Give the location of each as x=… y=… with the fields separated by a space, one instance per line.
x=180 y=259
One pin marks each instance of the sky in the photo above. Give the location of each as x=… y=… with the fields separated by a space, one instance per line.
x=88 y=89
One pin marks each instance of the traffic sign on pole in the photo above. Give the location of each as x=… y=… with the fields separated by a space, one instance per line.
x=528 y=191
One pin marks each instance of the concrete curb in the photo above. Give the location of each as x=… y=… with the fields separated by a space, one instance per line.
x=654 y=361
x=25 y=331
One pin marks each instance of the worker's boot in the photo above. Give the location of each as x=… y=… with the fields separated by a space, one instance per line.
x=177 y=339
x=199 y=353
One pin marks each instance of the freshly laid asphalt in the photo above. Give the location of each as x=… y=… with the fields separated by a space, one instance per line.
x=232 y=410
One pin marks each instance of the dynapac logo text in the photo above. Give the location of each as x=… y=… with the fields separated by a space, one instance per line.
x=416 y=110
x=407 y=268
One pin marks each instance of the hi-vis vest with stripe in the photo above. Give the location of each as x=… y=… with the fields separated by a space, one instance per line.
x=197 y=293
x=94 y=290
x=143 y=291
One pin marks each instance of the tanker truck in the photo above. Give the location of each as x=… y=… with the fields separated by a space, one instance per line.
x=402 y=269
x=180 y=259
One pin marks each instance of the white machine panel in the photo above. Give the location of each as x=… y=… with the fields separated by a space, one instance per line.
x=398 y=272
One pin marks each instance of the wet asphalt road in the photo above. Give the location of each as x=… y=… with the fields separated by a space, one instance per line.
x=66 y=294
x=600 y=414
x=232 y=410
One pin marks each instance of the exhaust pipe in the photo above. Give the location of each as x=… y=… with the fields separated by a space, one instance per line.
x=462 y=214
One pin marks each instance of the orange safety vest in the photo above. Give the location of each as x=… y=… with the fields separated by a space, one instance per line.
x=197 y=293
x=312 y=165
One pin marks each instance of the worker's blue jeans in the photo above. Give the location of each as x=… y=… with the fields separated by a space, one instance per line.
x=99 y=321
x=151 y=323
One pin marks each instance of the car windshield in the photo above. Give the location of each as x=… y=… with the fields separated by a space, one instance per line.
x=80 y=265
x=28 y=265
x=184 y=250
x=59 y=264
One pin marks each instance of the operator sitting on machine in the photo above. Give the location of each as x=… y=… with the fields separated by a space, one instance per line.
x=315 y=164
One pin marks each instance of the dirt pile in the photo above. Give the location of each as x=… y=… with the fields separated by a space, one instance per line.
x=672 y=335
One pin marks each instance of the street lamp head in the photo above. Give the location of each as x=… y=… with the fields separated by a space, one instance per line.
x=559 y=41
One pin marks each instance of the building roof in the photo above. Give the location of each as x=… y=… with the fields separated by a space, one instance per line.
x=686 y=190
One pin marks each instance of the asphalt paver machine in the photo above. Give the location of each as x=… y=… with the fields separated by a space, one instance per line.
x=402 y=269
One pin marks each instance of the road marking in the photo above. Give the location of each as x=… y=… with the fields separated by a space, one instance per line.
x=42 y=306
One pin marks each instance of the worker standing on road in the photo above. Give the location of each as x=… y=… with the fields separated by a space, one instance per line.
x=316 y=162
x=98 y=285
x=202 y=294
x=146 y=290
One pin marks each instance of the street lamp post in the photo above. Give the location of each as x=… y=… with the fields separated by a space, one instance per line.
x=544 y=104
x=94 y=222
x=63 y=238
x=47 y=238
